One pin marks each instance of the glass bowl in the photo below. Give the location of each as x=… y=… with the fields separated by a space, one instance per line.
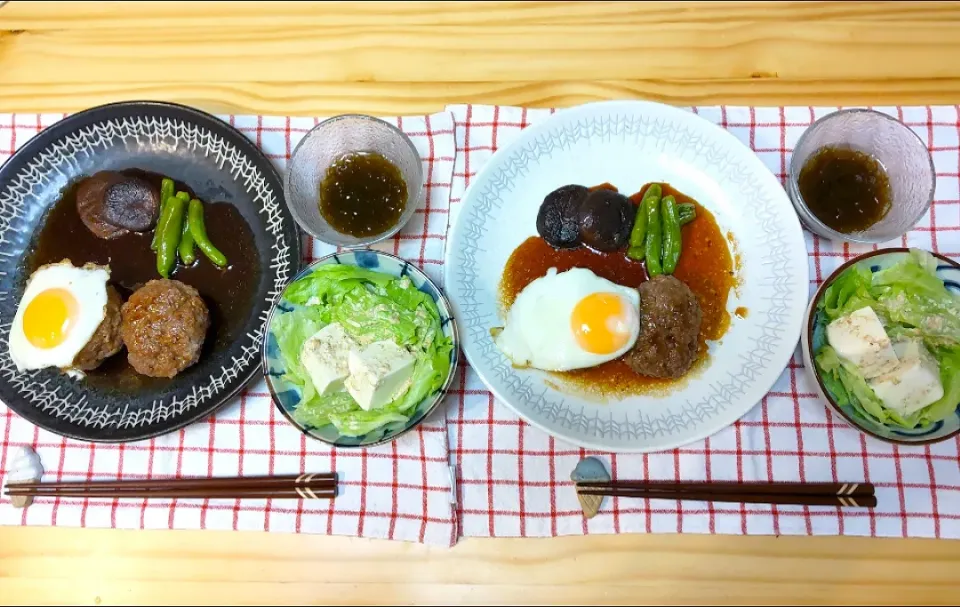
x=901 y=153
x=332 y=139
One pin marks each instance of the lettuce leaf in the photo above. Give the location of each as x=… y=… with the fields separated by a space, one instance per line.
x=360 y=422
x=329 y=283
x=848 y=293
x=910 y=295
x=292 y=329
x=949 y=359
x=371 y=307
x=319 y=411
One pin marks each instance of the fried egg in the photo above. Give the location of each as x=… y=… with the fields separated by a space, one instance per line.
x=570 y=320
x=61 y=309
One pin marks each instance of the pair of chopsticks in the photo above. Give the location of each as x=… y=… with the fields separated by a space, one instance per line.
x=302 y=486
x=849 y=495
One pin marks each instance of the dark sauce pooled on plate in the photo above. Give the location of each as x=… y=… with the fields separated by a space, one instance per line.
x=228 y=293
x=362 y=194
x=845 y=189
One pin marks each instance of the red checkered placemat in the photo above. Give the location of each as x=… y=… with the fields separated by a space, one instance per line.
x=514 y=478
x=397 y=491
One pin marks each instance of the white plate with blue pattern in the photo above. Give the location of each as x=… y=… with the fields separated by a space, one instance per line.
x=629 y=144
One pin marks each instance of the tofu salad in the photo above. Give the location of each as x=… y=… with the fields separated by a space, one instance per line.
x=892 y=348
x=364 y=348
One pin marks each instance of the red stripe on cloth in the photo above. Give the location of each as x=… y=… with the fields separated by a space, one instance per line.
x=331 y=505
x=900 y=492
x=903 y=238
x=303 y=469
x=423 y=479
x=363 y=491
x=490 y=466
x=583 y=519
x=933 y=495
x=768 y=449
x=59 y=473
x=240 y=454
x=866 y=479
x=143 y=506
x=822 y=512
x=615 y=501
x=12 y=146
x=210 y=451
x=801 y=460
x=113 y=508
x=173 y=503
x=933 y=207
x=426 y=203
x=676 y=477
x=394 y=491
x=458 y=454
x=712 y=523
x=520 y=481
x=553 y=492
x=271 y=461
x=7 y=422
x=738 y=427
x=647 y=510
x=89 y=477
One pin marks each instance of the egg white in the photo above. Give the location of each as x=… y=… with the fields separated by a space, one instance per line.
x=88 y=285
x=537 y=331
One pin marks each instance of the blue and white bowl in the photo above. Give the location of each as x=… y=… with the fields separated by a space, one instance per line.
x=815 y=336
x=286 y=395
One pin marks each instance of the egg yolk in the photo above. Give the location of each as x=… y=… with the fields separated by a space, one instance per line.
x=601 y=323
x=49 y=317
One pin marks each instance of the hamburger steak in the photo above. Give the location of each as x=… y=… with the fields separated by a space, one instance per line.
x=670 y=319
x=164 y=325
x=106 y=340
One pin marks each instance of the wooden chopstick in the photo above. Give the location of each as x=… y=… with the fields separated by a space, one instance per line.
x=721 y=487
x=856 y=501
x=185 y=483
x=303 y=486
x=298 y=493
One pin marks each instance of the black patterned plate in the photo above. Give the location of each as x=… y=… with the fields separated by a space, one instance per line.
x=222 y=167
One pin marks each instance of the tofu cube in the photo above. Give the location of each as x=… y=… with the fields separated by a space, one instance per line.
x=324 y=355
x=914 y=383
x=860 y=338
x=379 y=373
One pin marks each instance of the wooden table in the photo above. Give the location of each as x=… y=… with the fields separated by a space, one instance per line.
x=286 y=58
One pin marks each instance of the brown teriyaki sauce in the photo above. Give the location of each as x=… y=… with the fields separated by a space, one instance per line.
x=362 y=194
x=846 y=189
x=229 y=292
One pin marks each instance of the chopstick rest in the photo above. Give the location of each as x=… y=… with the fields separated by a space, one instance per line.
x=24 y=467
x=590 y=469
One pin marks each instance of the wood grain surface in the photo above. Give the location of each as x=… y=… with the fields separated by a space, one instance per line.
x=54 y=566
x=392 y=57
x=389 y=58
